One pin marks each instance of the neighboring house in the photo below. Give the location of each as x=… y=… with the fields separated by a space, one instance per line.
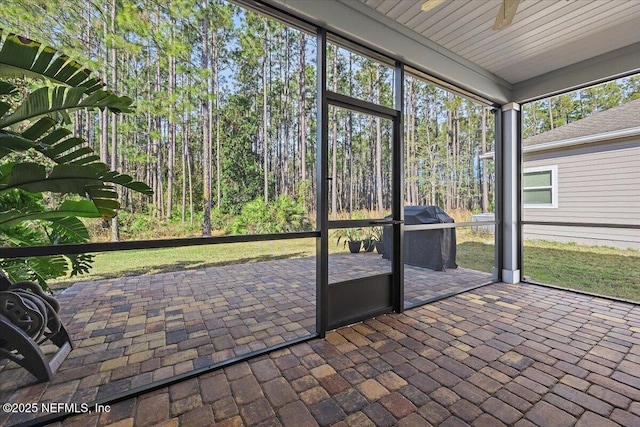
x=587 y=171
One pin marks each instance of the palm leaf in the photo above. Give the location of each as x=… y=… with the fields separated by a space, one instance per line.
x=78 y=162
x=88 y=180
x=78 y=170
x=62 y=179
x=39 y=128
x=68 y=230
x=4 y=107
x=128 y=182
x=51 y=102
x=38 y=269
x=10 y=143
x=79 y=208
x=81 y=180
x=50 y=143
x=20 y=56
x=43 y=268
x=6 y=88
x=105 y=199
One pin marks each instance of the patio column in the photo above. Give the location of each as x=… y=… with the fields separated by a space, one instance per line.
x=511 y=181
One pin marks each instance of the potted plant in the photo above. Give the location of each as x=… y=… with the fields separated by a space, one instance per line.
x=376 y=236
x=369 y=242
x=350 y=236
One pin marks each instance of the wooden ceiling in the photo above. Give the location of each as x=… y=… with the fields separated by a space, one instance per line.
x=545 y=35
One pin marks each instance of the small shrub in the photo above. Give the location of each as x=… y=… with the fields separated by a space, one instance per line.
x=289 y=215
x=283 y=215
x=219 y=219
x=254 y=218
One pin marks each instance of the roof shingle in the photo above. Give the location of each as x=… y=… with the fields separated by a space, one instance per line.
x=618 y=118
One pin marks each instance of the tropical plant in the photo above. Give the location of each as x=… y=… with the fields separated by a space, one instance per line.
x=373 y=235
x=376 y=234
x=34 y=127
x=347 y=235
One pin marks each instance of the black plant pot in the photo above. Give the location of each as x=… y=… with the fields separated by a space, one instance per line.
x=379 y=248
x=354 y=246
x=368 y=245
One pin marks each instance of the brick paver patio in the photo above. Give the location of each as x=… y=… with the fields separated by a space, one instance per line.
x=520 y=355
x=132 y=331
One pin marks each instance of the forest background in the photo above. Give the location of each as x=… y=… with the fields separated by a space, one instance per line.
x=224 y=129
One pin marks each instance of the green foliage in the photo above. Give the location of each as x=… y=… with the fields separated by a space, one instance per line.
x=142 y=226
x=219 y=219
x=283 y=215
x=241 y=176
x=52 y=230
x=34 y=123
x=135 y=225
x=254 y=218
x=289 y=215
x=348 y=235
x=375 y=233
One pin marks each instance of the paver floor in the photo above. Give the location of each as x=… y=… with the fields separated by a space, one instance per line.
x=518 y=355
x=132 y=331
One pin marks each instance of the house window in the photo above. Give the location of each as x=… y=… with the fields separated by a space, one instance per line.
x=540 y=187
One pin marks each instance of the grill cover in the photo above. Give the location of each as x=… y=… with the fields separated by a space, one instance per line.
x=434 y=249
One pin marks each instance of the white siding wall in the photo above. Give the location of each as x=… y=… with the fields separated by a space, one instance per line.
x=597 y=183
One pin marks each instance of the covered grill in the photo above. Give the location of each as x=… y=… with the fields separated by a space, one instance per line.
x=434 y=249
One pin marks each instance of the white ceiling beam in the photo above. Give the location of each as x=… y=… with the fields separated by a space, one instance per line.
x=356 y=21
x=608 y=66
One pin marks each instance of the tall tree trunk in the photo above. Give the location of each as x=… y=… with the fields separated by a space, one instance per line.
x=206 y=124
x=418 y=177
x=379 y=203
x=285 y=106
x=104 y=116
x=411 y=176
x=485 y=168
x=470 y=202
x=334 y=132
x=218 y=143
x=265 y=142
x=172 y=135
x=211 y=68
x=191 y=215
x=115 y=230
x=550 y=113
x=350 y=141
x=534 y=119
x=157 y=153
x=149 y=176
x=185 y=138
x=303 y=112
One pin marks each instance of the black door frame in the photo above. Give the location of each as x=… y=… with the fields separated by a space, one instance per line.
x=385 y=292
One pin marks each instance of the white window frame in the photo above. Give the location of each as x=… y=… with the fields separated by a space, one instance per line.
x=554 y=187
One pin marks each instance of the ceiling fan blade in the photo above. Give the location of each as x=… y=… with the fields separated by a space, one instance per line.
x=431 y=4
x=506 y=13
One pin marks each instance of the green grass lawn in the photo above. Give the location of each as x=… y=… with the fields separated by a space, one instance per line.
x=153 y=261
x=596 y=269
x=599 y=270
